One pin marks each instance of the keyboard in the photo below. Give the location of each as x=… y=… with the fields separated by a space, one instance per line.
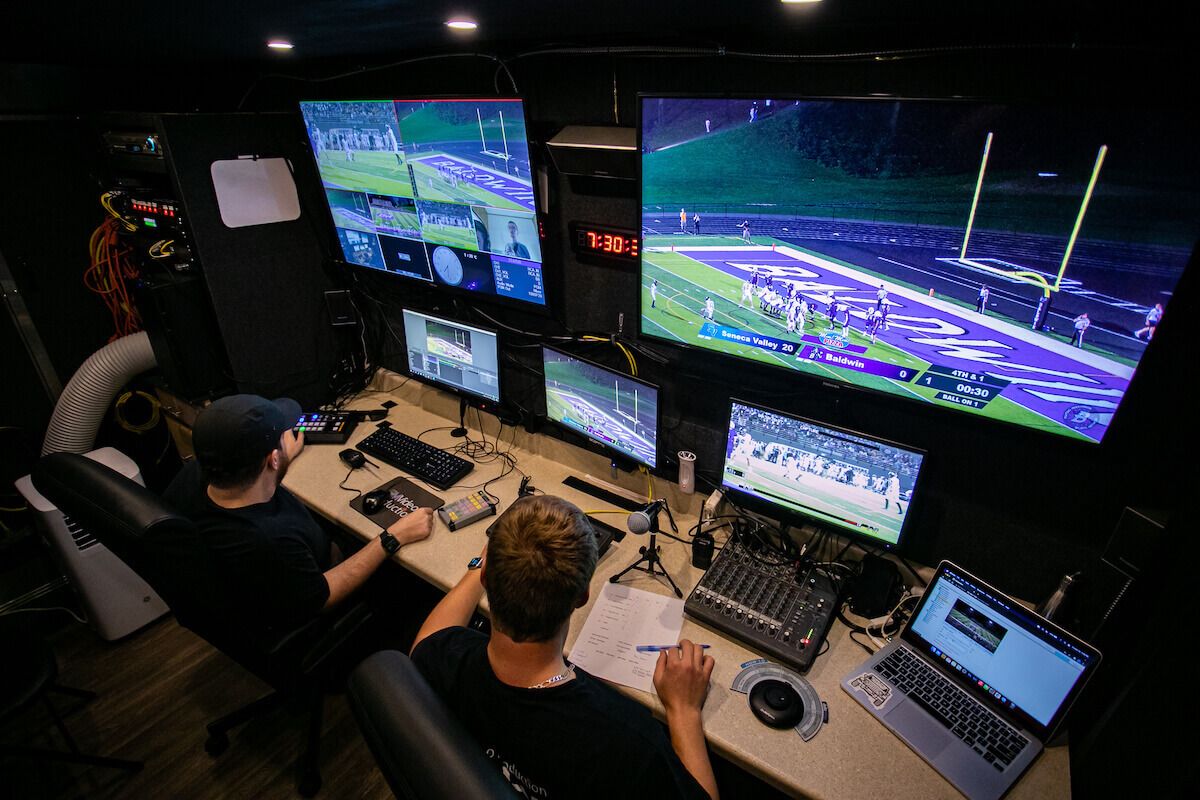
x=431 y=464
x=992 y=738
x=765 y=605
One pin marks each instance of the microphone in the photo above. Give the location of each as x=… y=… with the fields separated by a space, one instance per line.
x=646 y=519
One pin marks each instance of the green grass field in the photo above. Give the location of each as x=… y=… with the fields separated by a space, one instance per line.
x=752 y=167
x=371 y=171
x=809 y=493
x=451 y=235
x=432 y=186
x=398 y=220
x=342 y=219
x=683 y=283
x=426 y=127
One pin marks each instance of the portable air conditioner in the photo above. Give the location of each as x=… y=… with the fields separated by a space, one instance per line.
x=117 y=601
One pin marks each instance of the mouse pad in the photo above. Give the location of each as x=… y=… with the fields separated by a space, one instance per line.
x=404 y=496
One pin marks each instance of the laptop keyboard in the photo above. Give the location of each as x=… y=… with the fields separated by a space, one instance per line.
x=994 y=740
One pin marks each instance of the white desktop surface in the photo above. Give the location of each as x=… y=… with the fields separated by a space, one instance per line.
x=853 y=756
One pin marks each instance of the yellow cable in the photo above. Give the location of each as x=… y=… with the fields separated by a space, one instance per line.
x=14 y=510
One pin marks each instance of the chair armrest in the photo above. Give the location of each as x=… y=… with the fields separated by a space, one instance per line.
x=421 y=749
x=313 y=643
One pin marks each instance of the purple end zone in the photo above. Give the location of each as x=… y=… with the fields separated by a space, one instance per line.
x=486 y=179
x=1076 y=393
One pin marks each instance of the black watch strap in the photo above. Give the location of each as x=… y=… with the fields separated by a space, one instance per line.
x=390 y=543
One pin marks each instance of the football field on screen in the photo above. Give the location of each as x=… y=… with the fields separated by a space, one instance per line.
x=684 y=282
x=370 y=171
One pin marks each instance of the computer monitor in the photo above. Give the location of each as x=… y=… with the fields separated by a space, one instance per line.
x=1010 y=261
x=618 y=412
x=797 y=469
x=453 y=355
x=439 y=191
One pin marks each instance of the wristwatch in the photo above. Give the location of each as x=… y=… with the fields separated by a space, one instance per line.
x=390 y=543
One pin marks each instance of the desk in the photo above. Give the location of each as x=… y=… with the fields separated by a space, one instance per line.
x=853 y=756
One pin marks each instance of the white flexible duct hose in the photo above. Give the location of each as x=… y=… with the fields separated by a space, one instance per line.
x=82 y=405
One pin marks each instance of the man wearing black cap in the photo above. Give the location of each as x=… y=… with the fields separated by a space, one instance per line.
x=278 y=560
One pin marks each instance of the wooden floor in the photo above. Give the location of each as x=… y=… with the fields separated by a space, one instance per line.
x=158 y=689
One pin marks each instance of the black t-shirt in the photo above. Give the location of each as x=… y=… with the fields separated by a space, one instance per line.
x=579 y=739
x=273 y=555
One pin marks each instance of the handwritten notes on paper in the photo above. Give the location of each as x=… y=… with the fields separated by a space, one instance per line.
x=621 y=619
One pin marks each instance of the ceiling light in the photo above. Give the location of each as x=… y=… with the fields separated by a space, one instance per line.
x=280 y=44
x=799 y=2
x=461 y=24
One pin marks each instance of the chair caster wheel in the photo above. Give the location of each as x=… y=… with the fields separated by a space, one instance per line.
x=216 y=744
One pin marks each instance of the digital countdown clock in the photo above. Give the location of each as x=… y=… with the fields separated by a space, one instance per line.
x=619 y=244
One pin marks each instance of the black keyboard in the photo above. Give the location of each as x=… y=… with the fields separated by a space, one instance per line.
x=765 y=604
x=430 y=464
x=992 y=738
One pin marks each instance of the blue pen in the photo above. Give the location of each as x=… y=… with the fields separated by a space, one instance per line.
x=658 y=648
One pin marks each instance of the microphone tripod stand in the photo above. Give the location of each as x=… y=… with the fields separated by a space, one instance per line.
x=650 y=556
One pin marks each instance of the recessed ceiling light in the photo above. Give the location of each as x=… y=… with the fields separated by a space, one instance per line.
x=799 y=2
x=280 y=44
x=461 y=24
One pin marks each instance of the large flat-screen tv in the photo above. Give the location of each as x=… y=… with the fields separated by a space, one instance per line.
x=1008 y=261
x=439 y=191
x=797 y=469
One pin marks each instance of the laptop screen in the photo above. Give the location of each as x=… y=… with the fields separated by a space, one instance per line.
x=1017 y=660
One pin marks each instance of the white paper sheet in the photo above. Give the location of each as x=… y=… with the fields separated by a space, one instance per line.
x=621 y=619
x=254 y=191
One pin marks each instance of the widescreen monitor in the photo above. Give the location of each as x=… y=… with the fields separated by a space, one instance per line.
x=792 y=468
x=439 y=191
x=1009 y=261
x=610 y=408
x=454 y=355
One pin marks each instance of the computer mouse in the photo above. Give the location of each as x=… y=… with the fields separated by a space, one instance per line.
x=374 y=501
x=776 y=703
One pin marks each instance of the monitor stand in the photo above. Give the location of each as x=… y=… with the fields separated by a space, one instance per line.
x=461 y=431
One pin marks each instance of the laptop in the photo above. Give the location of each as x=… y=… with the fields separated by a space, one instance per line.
x=976 y=683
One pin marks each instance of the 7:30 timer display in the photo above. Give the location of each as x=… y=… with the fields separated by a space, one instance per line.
x=616 y=243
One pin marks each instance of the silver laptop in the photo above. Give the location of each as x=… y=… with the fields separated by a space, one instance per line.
x=975 y=684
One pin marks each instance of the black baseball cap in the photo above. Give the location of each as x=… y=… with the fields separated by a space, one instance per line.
x=236 y=431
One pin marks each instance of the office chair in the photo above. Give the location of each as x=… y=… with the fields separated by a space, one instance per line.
x=422 y=751
x=167 y=551
x=29 y=674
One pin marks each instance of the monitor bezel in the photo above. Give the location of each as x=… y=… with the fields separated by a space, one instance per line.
x=794 y=517
x=476 y=400
x=914 y=639
x=607 y=448
x=338 y=256
x=1083 y=442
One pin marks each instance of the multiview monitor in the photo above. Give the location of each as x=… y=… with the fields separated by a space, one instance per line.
x=453 y=355
x=616 y=411
x=793 y=468
x=1009 y=261
x=436 y=190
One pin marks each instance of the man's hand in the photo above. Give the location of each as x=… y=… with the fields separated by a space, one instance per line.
x=413 y=526
x=681 y=680
x=292 y=442
x=681 y=677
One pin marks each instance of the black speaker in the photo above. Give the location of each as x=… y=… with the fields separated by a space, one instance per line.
x=1122 y=586
x=877 y=588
